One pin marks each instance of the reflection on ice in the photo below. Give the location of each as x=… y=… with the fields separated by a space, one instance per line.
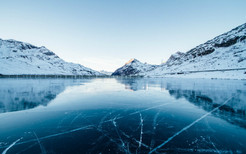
x=22 y=94
x=206 y=94
x=157 y=115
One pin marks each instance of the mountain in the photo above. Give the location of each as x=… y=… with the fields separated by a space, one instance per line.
x=221 y=57
x=23 y=58
x=227 y=51
x=133 y=67
x=106 y=72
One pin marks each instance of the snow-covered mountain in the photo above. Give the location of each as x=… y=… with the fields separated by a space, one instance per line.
x=215 y=57
x=106 y=72
x=133 y=67
x=227 y=51
x=23 y=58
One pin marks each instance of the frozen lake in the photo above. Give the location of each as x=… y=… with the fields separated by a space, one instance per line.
x=122 y=115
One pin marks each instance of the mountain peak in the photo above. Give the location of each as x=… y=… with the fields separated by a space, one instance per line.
x=133 y=67
x=224 y=52
x=133 y=60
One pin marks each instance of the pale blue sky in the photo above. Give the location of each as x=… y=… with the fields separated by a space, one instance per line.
x=104 y=34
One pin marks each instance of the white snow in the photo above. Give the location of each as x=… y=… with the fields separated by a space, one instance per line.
x=212 y=55
x=222 y=57
x=237 y=75
x=23 y=58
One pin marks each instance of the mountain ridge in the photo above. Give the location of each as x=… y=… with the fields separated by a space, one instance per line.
x=224 y=52
x=133 y=67
x=19 y=58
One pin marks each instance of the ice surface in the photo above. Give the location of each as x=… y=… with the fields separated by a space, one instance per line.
x=126 y=115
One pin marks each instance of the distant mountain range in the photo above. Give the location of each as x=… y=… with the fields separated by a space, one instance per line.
x=23 y=58
x=106 y=72
x=224 y=56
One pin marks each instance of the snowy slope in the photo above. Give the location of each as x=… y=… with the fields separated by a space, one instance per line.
x=106 y=72
x=23 y=58
x=133 y=67
x=209 y=60
x=227 y=51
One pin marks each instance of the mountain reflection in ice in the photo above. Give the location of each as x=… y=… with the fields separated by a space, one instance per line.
x=123 y=115
x=206 y=94
x=22 y=94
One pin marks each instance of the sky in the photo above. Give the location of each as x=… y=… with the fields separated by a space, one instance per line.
x=105 y=34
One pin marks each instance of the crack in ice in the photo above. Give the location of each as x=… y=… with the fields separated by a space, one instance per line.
x=54 y=135
x=152 y=143
x=188 y=126
x=115 y=125
x=136 y=112
x=29 y=147
x=11 y=145
x=149 y=108
x=137 y=141
x=75 y=118
x=200 y=150
x=104 y=134
x=141 y=131
x=85 y=127
x=41 y=147
x=213 y=145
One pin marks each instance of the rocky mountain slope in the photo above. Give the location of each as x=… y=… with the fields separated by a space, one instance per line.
x=133 y=67
x=23 y=58
x=216 y=56
x=227 y=51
